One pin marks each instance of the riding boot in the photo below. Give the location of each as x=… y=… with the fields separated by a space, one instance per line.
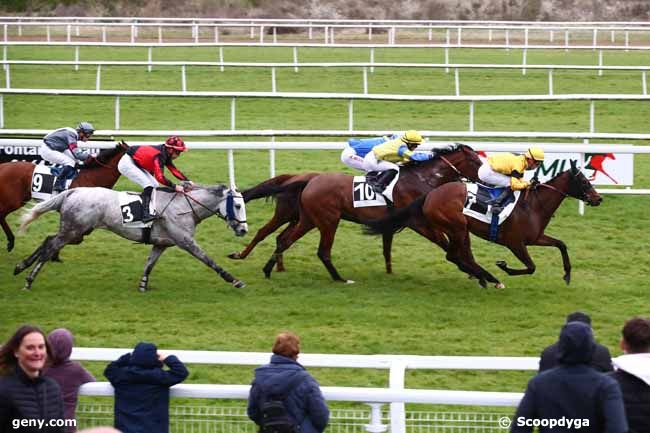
x=383 y=180
x=146 y=200
x=67 y=172
x=497 y=203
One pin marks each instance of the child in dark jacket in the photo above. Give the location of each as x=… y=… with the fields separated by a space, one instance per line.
x=68 y=374
x=142 y=388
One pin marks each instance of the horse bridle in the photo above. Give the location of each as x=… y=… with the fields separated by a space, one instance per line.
x=230 y=207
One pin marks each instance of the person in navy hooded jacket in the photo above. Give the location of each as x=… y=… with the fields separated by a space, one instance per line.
x=142 y=388
x=573 y=394
x=304 y=403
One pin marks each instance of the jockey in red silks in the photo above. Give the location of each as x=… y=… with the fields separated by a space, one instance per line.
x=144 y=165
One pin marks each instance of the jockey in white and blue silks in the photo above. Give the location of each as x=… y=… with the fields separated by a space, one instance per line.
x=60 y=147
x=358 y=148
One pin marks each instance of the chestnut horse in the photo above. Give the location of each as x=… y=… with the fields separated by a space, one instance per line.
x=442 y=209
x=16 y=182
x=323 y=200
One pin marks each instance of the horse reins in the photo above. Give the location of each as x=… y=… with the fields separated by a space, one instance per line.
x=217 y=213
x=453 y=167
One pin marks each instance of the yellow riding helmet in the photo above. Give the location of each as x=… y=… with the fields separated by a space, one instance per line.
x=535 y=153
x=412 y=137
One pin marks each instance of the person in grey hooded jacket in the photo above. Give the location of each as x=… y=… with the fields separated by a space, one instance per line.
x=304 y=403
x=573 y=393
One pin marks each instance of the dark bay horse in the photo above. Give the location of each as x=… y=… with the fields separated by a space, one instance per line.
x=16 y=182
x=326 y=198
x=442 y=209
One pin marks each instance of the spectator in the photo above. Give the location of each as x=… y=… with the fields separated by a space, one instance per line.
x=601 y=359
x=142 y=388
x=573 y=392
x=633 y=373
x=284 y=376
x=68 y=374
x=26 y=396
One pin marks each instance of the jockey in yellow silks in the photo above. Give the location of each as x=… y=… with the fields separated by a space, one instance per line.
x=384 y=157
x=507 y=170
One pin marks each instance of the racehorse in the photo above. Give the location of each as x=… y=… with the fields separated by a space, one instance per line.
x=327 y=198
x=16 y=182
x=84 y=209
x=442 y=209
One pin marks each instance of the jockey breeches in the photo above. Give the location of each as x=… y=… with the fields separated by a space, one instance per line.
x=370 y=163
x=489 y=176
x=350 y=158
x=56 y=157
x=127 y=167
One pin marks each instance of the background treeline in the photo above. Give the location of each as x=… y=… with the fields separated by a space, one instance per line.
x=542 y=10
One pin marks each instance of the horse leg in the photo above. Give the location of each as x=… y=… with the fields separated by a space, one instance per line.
x=8 y=233
x=154 y=255
x=547 y=241
x=468 y=258
x=285 y=240
x=185 y=242
x=49 y=248
x=325 y=251
x=56 y=258
x=387 y=242
x=521 y=252
x=261 y=234
x=279 y=259
x=26 y=263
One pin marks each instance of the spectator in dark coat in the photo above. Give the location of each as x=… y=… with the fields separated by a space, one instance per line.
x=26 y=396
x=633 y=373
x=573 y=391
x=305 y=402
x=68 y=374
x=601 y=360
x=142 y=388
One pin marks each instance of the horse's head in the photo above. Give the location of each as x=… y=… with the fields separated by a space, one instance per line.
x=580 y=187
x=233 y=209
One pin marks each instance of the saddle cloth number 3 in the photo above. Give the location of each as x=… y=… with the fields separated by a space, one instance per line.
x=131 y=212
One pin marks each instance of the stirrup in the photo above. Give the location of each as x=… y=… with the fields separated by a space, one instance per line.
x=150 y=217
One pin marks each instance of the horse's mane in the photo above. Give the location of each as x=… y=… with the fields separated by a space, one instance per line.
x=437 y=152
x=106 y=155
x=213 y=189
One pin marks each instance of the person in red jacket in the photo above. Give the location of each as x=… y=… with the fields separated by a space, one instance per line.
x=145 y=165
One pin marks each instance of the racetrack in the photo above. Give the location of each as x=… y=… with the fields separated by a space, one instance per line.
x=426 y=307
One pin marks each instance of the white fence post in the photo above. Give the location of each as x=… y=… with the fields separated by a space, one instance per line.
x=350 y=115
x=4 y=56
x=397 y=410
x=103 y=34
x=523 y=62
x=600 y=62
x=566 y=40
x=231 y=167
x=507 y=40
x=273 y=85
x=252 y=36
x=76 y=58
x=98 y=77
x=365 y=81
x=447 y=59
x=295 y=59
x=117 y=112
x=592 y=116
x=644 y=86
x=460 y=36
x=372 y=60
x=232 y=114
x=471 y=116
x=47 y=32
x=132 y=33
x=595 y=42
x=261 y=34
x=160 y=38
x=68 y=33
x=221 y=58
x=183 y=79
x=7 y=78
x=550 y=81
x=581 y=164
x=149 y=58
x=457 y=81
x=216 y=34
x=272 y=159
x=275 y=35
x=375 y=425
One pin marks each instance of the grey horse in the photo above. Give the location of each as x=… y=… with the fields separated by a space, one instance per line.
x=84 y=209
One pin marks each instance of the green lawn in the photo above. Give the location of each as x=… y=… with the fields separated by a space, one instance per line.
x=426 y=307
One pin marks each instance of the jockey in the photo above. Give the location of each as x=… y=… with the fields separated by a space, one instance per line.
x=358 y=148
x=60 y=147
x=144 y=165
x=385 y=156
x=507 y=170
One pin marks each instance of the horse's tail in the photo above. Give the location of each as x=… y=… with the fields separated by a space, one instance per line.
x=274 y=186
x=396 y=220
x=48 y=205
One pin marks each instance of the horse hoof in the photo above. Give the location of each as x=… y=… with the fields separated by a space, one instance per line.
x=17 y=270
x=349 y=281
x=10 y=246
x=501 y=264
x=239 y=284
x=482 y=283
x=567 y=279
x=234 y=256
x=27 y=288
x=500 y=286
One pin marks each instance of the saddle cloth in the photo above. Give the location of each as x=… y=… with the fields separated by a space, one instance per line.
x=130 y=204
x=363 y=195
x=476 y=203
x=43 y=180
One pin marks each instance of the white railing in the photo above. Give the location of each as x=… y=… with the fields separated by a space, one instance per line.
x=396 y=394
x=525 y=30
x=350 y=97
x=365 y=68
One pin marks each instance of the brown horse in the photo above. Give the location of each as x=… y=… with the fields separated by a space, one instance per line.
x=325 y=199
x=16 y=182
x=442 y=209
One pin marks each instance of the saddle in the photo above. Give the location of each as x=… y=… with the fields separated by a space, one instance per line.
x=43 y=180
x=485 y=196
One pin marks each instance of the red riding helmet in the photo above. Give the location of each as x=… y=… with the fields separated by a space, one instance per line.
x=176 y=143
